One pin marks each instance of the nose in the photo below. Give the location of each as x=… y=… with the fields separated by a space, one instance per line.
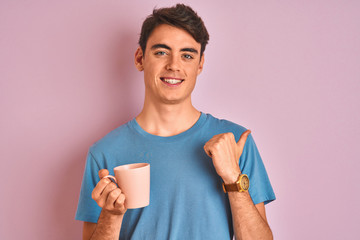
x=173 y=64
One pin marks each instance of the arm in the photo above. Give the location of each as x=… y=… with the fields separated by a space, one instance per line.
x=109 y=197
x=249 y=220
x=108 y=227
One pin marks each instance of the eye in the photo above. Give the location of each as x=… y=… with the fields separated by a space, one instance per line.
x=160 y=53
x=188 y=56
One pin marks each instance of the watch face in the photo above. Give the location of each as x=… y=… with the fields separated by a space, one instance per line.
x=245 y=182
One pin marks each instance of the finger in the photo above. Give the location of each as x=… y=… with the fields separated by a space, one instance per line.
x=120 y=201
x=105 y=194
x=111 y=198
x=103 y=173
x=207 y=151
x=110 y=187
x=99 y=188
x=242 y=140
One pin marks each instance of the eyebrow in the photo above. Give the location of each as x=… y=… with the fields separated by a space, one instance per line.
x=161 y=45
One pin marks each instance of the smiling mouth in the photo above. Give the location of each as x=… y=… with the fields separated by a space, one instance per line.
x=172 y=81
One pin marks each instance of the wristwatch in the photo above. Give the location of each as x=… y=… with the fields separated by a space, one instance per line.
x=241 y=185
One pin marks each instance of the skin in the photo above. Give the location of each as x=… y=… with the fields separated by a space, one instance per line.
x=172 y=53
x=164 y=104
x=109 y=197
x=249 y=220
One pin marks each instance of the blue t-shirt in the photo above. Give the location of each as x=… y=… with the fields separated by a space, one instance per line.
x=186 y=196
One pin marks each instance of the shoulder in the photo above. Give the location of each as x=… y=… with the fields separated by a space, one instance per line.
x=117 y=137
x=223 y=125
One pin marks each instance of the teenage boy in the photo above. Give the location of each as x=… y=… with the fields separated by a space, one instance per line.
x=201 y=168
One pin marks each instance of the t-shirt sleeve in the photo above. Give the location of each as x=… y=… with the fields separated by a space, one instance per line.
x=87 y=209
x=251 y=164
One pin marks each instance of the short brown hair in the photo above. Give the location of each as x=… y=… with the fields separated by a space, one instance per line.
x=180 y=16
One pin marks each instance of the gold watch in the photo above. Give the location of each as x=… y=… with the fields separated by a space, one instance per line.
x=241 y=185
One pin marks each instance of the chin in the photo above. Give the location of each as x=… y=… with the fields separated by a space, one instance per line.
x=174 y=99
x=171 y=101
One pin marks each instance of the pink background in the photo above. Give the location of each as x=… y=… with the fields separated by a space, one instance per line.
x=288 y=70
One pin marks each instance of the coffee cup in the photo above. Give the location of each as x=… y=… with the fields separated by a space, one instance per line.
x=134 y=182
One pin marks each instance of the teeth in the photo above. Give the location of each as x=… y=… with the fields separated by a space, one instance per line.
x=172 y=81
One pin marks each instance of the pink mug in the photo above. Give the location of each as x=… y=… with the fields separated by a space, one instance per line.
x=134 y=182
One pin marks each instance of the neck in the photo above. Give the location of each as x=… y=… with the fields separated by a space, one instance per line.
x=167 y=119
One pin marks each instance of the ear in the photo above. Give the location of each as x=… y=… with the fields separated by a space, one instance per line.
x=201 y=64
x=139 y=59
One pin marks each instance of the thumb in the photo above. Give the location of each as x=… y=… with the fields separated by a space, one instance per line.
x=242 y=140
x=103 y=173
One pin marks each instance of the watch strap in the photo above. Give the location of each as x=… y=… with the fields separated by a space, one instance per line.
x=236 y=186
x=233 y=187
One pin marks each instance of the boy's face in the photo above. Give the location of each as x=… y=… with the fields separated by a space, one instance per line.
x=171 y=64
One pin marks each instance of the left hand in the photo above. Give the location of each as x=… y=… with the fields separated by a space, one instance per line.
x=225 y=153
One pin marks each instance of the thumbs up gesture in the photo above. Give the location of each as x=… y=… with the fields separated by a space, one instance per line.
x=225 y=153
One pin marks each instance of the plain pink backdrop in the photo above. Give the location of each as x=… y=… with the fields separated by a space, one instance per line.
x=287 y=70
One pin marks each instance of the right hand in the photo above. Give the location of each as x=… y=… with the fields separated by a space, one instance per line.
x=108 y=196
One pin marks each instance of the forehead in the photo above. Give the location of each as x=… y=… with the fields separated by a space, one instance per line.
x=172 y=36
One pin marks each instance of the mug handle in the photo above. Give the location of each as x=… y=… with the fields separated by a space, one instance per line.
x=111 y=178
